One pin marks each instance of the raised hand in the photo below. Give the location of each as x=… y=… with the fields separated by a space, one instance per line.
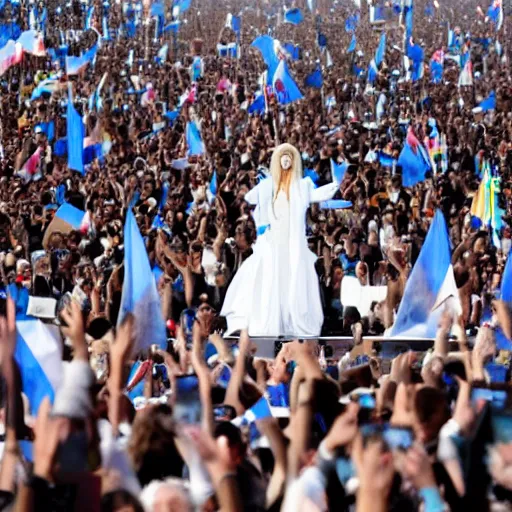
x=121 y=348
x=375 y=471
x=74 y=330
x=418 y=469
x=48 y=432
x=8 y=333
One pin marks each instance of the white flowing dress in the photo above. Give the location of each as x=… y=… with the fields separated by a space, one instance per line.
x=276 y=291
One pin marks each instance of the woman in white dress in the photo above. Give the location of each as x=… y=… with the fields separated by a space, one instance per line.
x=276 y=291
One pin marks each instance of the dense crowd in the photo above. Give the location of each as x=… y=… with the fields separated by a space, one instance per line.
x=205 y=423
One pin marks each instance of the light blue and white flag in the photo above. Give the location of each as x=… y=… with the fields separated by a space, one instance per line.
x=234 y=23
x=88 y=17
x=431 y=287
x=194 y=141
x=212 y=189
x=293 y=16
x=285 y=88
x=495 y=14
x=506 y=283
x=335 y=204
x=48 y=86
x=338 y=171
x=140 y=295
x=39 y=357
x=76 y=64
x=259 y=411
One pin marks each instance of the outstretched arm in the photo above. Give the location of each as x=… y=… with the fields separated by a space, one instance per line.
x=252 y=196
x=316 y=195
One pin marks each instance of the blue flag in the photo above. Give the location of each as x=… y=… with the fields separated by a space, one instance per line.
x=157 y=9
x=351 y=23
x=75 y=64
x=381 y=50
x=495 y=14
x=75 y=138
x=436 y=71
x=265 y=44
x=293 y=16
x=409 y=19
x=314 y=79
x=338 y=170
x=489 y=103
x=258 y=104
x=312 y=175
x=260 y=410
x=104 y=25
x=386 y=160
x=372 y=71
x=431 y=287
x=183 y=5
x=415 y=53
x=194 y=141
x=352 y=46
x=335 y=204
x=47 y=87
x=9 y=31
x=321 y=40
x=172 y=115
x=414 y=165
x=165 y=193
x=172 y=27
x=140 y=295
x=429 y=10
x=88 y=17
x=285 y=87
x=234 y=23
x=213 y=186
x=506 y=282
x=292 y=50
x=417 y=56
x=38 y=355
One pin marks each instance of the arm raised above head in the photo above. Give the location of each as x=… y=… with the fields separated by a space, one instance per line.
x=252 y=196
x=317 y=195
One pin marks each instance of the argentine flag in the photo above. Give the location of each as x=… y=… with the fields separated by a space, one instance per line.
x=140 y=295
x=39 y=357
x=431 y=287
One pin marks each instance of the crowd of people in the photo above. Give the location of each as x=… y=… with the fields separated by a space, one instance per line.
x=204 y=422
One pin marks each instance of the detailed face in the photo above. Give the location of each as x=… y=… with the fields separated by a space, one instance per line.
x=286 y=162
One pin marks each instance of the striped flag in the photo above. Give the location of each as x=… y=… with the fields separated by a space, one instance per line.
x=30 y=170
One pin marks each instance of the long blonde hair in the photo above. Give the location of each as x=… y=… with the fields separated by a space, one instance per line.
x=284 y=179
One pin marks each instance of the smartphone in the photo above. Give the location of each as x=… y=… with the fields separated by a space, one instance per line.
x=502 y=427
x=496 y=397
x=224 y=413
x=366 y=401
x=328 y=352
x=449 y=380
x=224 y=376
x=398 y=438
x=366 y=409
x=455 y=369
x=394 y=437
x=187 y=319
x=187 y=408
